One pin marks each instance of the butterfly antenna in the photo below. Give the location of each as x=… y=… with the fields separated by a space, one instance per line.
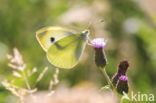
x=89 y=24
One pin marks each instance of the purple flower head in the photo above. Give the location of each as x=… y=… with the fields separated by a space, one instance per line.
x=122 y=85
x=123 y=78
x=98 y=43
x=100 y=58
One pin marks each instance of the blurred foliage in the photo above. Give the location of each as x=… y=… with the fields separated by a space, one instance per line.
x=129 y=29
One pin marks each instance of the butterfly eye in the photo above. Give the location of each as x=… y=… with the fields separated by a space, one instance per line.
x=52 y=39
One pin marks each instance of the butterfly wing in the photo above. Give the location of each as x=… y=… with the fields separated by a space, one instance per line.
x=66 y=52
x=48 y=35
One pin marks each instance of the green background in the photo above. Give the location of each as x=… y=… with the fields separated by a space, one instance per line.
x=128 y=27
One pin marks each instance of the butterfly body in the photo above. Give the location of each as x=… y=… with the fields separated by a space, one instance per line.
x=63 y=46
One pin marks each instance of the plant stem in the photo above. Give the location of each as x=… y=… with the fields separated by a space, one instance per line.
x=27 y=84
x=26 y=81
x=107 y=77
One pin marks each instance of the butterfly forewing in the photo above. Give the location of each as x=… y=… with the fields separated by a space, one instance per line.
x=48 y=35
x=66 y=52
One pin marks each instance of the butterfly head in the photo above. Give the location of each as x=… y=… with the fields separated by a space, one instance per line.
x=86 y=32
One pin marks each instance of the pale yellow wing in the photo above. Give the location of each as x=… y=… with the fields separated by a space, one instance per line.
x=48 y=35
x=66 y=52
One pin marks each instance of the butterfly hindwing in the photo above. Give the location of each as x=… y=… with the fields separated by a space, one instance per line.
x=66 y=52
x=48 y=35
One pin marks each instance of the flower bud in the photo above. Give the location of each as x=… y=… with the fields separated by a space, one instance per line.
x=122 y=85
x=100 y=58
x=122 y=69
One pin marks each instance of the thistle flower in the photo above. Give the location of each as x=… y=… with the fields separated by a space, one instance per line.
x=100 y=58
x=122 y=85
x=122 y=69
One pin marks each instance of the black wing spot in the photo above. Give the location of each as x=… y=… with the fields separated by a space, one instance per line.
x=52 y=39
